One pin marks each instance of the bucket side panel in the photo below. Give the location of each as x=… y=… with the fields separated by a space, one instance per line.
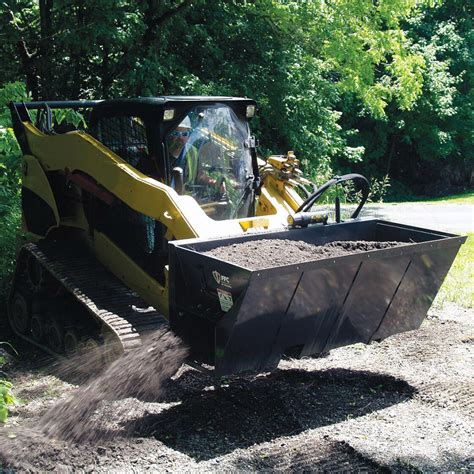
x=416 y=292
x=246 y=334
x=313 y=311
x=368 y=301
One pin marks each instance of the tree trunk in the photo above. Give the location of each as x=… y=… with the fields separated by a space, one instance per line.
x=29 y=69
x=390 y=155
x=45 y=42
x=78 y=54
x=106 y=77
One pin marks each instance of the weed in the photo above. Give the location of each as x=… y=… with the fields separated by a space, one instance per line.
x=7 y=398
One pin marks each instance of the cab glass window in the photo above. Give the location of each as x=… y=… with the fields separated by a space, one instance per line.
x=209 y=147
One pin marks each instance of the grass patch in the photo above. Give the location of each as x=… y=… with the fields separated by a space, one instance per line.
x=458 y=287
x=467 y=197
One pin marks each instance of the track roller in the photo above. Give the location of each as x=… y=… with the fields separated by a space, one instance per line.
x=37 y=328
x=92 y=351
x=55 y=336
x=71 y=342
x=36 y=273
x=39 y=279
x=112 y=348
x=19 y=311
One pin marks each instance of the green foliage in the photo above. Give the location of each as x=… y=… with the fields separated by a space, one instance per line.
x=383 y=88
x=365 y=46
x=379 y=189
x=429 y=148
x=295 y=57
x=466 y=197
x=7 y=397
x=69 y=116
x=10 y=213
x=10 y=223
x=9 y=149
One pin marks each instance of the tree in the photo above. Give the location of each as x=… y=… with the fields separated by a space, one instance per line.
x=319 y=70
x=430 y=147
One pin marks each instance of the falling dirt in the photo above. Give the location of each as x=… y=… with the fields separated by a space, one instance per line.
x=141 y=373
x=268 y=253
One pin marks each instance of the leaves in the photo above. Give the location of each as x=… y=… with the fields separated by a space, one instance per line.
x=321 y=71
x=10 y=182
x=6 y=399
x=69 y=116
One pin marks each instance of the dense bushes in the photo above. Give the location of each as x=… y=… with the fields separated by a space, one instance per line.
x=9 y=182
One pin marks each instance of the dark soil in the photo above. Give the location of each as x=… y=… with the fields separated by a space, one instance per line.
x=141 y=373
x=405 y=404
x=268 y=253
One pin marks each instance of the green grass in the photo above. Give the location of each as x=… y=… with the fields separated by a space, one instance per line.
x=458 y=287
x=467 y=197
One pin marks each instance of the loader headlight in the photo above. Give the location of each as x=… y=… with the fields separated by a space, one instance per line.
x=250 y=112
x=168 y=114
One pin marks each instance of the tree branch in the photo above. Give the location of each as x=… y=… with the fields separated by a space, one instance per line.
x=153 y=21
x=29 y=69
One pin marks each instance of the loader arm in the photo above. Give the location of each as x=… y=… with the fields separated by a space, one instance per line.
x=78 y=154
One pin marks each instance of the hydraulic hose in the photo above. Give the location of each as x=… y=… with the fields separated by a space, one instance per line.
x=364 y=187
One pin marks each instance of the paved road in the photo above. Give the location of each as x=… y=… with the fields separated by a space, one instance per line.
x=455 y=218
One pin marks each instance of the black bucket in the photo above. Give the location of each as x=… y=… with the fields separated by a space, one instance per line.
x=245 y=320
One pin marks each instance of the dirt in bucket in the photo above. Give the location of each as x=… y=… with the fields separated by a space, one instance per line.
x=269 y=253
x=141 y=373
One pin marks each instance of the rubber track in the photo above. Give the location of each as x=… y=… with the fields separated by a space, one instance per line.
x=103 y=294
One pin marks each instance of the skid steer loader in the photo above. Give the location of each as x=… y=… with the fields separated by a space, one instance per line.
x=117 y=220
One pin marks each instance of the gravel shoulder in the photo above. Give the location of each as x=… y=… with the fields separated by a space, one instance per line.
x=406 y=403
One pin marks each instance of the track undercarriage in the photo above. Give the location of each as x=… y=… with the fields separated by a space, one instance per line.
x=65 y=302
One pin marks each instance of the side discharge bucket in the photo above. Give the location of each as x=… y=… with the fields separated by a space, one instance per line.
x=238 y=319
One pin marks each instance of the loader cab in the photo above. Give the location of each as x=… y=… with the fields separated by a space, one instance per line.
x=129 y=130
x=200 y=146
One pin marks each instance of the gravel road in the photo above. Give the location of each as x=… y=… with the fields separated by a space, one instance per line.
x=406 y=403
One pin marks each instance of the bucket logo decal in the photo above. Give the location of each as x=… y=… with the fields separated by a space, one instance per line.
x=225 y=299
x=221 y=279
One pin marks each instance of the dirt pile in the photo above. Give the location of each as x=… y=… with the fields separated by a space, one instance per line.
x=268 y=253
x=141 y=373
